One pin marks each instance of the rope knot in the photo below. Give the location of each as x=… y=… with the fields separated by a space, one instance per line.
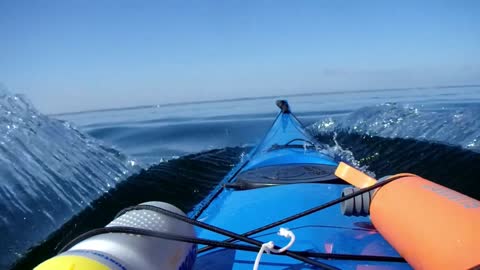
x=270 y=246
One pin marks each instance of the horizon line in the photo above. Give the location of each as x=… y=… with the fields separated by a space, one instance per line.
x=169 y=104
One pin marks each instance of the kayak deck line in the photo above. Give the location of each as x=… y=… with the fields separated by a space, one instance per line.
x=227 y=244
x=309 y=211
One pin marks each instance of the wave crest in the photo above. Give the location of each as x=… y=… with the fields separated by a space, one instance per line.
x=458 y=125
x=49 y=171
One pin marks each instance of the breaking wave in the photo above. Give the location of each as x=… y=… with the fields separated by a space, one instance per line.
x=452 y=125
x=49 y=171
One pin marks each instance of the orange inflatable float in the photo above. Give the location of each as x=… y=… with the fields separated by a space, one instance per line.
x=431 y=226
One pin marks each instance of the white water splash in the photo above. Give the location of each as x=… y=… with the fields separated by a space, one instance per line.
x=49 y=171
x=455 y=125
x=340 y=154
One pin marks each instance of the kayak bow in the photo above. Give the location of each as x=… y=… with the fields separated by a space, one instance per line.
x=284 y=175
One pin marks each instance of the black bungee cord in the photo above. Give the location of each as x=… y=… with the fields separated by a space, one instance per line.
x=299 y=255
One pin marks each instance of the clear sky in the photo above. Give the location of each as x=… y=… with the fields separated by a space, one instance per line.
x=71 y=55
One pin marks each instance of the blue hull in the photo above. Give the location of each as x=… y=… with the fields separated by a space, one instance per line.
x=285 y=175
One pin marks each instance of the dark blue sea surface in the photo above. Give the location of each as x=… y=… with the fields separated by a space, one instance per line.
x=61 y=175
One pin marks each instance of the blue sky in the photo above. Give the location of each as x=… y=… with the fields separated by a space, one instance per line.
x=78 y=55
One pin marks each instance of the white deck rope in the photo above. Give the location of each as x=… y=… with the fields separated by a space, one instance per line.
x=269 y=246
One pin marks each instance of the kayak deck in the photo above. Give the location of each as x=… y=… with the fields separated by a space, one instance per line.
x=285 y=175
x=326 y=231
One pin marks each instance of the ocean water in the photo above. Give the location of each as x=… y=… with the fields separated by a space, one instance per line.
x=61 y=175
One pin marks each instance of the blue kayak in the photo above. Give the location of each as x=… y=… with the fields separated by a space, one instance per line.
x=285 y=199
x=285 y=175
